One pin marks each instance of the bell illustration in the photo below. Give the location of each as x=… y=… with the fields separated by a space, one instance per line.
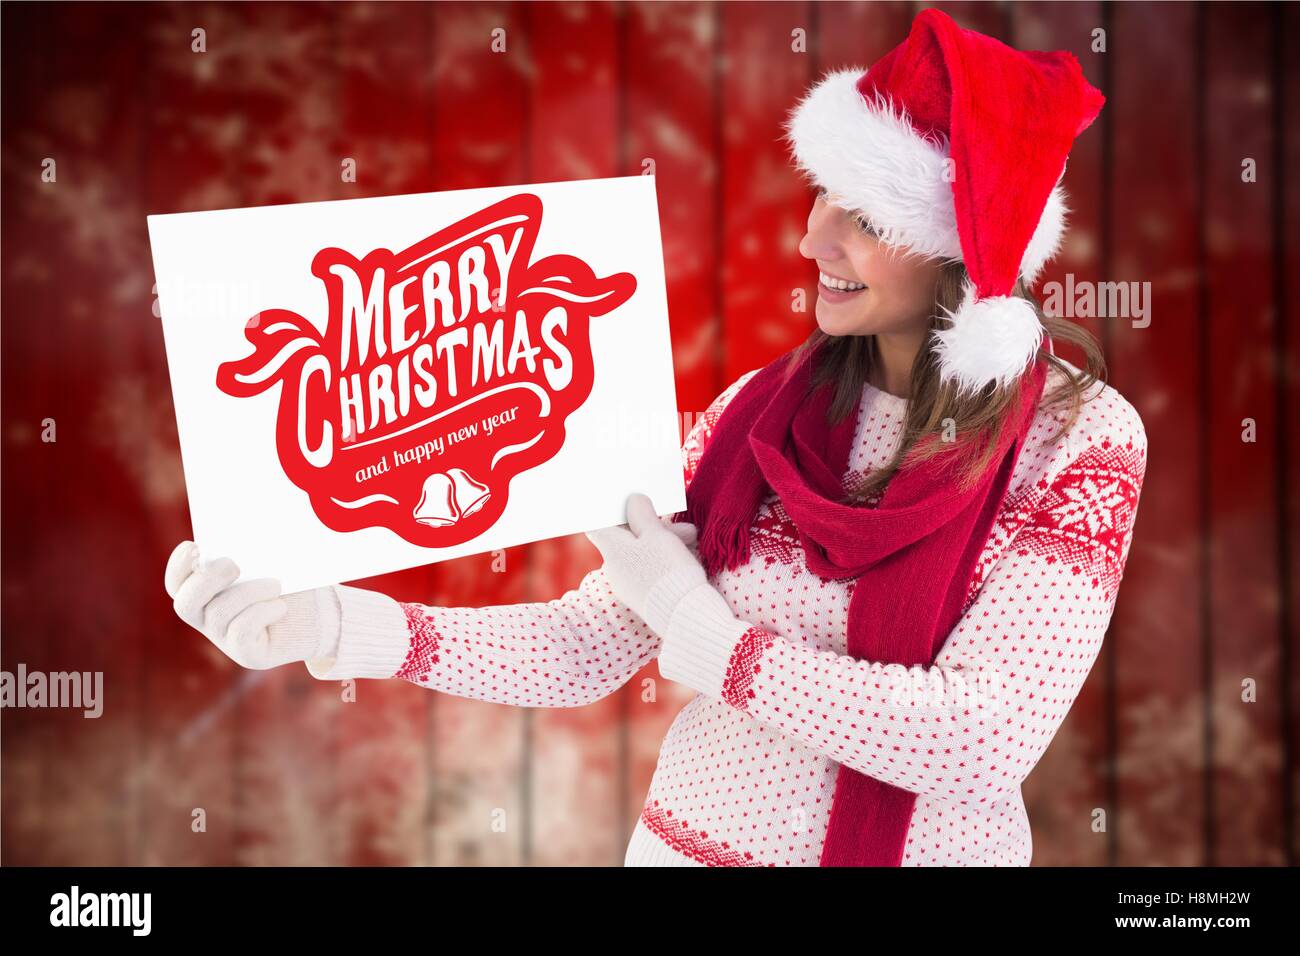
x=446 y=498
x=437 y=507
x=470 y=495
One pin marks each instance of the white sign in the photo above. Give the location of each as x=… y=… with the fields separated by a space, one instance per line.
x=368 y=385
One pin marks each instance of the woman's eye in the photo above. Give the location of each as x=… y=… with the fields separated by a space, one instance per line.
x=862 y=222
x=864 y=225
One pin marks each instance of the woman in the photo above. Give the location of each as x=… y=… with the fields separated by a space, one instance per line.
x=903 y=540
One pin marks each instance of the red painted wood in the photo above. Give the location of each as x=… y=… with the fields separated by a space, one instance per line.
x=55 y=335
x=29 y=636
x=859 y=33
x=1286 y=24
x=31 y=243
x=671 y=128
x=1157 y=630
x=192 y=691
x=983 y=15
x=765 y=203
x=1243 y=581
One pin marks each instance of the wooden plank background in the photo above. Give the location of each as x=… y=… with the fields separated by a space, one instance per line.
x=282 y=769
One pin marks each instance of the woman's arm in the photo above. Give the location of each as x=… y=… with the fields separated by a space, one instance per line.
x=970 y=727
x=566 y=652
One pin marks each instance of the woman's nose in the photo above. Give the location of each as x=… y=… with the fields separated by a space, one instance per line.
x=822 y=240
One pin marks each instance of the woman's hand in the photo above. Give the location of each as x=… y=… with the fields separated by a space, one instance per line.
x=650 y=564
x=250 y=621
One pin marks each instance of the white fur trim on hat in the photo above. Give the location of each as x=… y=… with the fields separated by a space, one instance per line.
x=991 y=340
x=1045 y=243
x=867 y=155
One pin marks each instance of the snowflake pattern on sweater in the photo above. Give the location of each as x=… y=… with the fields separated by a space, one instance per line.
x=747 y=771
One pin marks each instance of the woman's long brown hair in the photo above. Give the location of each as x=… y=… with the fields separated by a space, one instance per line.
x=971 y=422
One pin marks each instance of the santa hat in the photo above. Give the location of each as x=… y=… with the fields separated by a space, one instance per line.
x=954 y=146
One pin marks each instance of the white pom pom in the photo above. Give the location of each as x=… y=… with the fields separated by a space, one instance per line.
x=989 y=341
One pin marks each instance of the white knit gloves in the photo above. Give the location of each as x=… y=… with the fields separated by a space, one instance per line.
x=251 y=622
x=651 y=567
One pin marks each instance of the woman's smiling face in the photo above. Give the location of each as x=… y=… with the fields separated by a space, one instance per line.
x=873 y=289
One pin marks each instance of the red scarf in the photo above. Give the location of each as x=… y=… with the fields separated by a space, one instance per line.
x=918 y=547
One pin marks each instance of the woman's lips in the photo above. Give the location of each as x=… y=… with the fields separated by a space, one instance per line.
x=837 y=295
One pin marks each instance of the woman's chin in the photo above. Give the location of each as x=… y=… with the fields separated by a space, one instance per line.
x=835 y=321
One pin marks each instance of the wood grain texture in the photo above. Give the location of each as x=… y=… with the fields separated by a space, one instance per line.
x=1158 y=632
x=1245 y=687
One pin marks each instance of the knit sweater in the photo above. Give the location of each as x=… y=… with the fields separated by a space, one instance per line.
x=747 y=771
